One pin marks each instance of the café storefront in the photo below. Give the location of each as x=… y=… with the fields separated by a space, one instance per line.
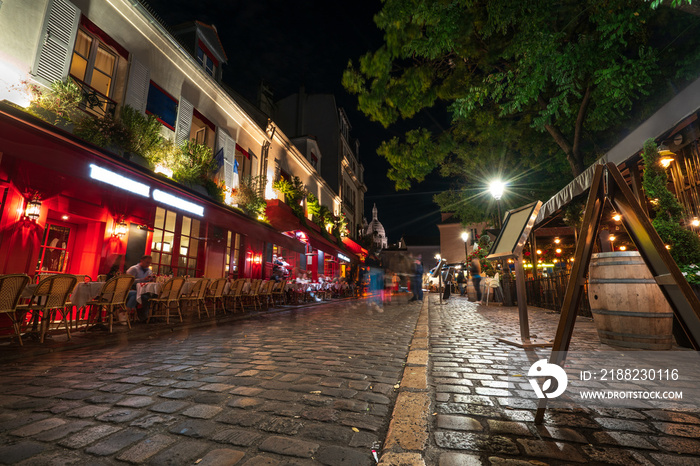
x=67 y=206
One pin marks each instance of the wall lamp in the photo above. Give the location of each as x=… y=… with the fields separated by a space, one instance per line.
x=33 y=209
x=120 y=228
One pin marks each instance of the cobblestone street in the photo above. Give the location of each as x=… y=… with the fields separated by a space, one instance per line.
x=307 y=386
x=473 y=424
x=318 y=386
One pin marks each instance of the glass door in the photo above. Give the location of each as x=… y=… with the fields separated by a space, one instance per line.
x=54 y=252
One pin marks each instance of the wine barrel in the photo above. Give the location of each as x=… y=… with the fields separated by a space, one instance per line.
x=628 y=307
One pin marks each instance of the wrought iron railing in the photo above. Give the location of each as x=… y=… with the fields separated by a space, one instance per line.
x=94 y=102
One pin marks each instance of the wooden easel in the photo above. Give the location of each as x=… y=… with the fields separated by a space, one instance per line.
x=681 y=298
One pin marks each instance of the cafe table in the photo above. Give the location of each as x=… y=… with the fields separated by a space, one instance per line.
x=155 y=287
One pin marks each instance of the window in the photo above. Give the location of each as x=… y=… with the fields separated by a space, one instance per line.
x=314 y=161
x=202 y=130
x=163 y=241
x=233 y=249
x=53 y=255
x=189 y=247
x=206 y=62
x=162 y=105
x=93 y=63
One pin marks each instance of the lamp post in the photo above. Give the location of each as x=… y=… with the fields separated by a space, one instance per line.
x=465 y=238
x=496 y=189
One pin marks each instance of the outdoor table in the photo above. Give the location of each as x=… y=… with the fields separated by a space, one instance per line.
x=84 y=292
x=154 y=287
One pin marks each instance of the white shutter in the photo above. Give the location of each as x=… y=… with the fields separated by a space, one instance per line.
x=184 y=121
x=137 y=90
x=56 y=41
x=226 y=142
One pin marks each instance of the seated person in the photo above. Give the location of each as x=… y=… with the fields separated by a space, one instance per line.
x=142 y=273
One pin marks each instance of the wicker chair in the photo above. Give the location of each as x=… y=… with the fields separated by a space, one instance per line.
x=254 y=295
x=101 y=278
x=50 y=295
x=112 y=297
x=216 y=293
x=235 y=294
x=278 y=293
x=11 y=287
x=197 y=296
x=265 y=294
x=169 y=297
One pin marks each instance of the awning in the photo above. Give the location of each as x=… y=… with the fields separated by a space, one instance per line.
x=282 y=218
x=676 y=110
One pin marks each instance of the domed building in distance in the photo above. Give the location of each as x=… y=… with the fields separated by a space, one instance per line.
x=375 y=230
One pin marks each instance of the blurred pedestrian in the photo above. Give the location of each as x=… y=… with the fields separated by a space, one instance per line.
x=417 y=279
x=475 y=270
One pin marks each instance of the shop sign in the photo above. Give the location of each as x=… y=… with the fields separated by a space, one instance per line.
x=343 y=257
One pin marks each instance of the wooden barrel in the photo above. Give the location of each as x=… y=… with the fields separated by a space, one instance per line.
x=628 y=307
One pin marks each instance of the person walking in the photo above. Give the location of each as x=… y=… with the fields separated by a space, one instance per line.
x=475 y=270
x=417 y=280
x=461 y=281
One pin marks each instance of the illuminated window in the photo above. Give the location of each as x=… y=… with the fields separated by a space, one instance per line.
x=188 y=247
x=93 y=63
x=233 y=247
x=53 y=255
x=163 y=241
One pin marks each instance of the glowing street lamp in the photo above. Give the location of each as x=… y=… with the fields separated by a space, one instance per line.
x=612 y=242
x=496 y=188
x=465 y=238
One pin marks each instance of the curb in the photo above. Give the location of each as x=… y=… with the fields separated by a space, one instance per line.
x=408 y=431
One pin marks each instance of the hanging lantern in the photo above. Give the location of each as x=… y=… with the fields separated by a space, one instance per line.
x=33 y=210
x=120 y=228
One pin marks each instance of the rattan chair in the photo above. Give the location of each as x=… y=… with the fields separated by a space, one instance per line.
x=235 y=293
x=112 y=297
x=265 y=294
x=101 y=278
x=278 y=292
x=168 y=297
x=50 y=295
x=254 y=295
x=216 y=293
x=11 y=287
x=197 y=296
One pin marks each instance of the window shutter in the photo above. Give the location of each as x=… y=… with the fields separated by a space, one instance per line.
x=137 y=90
x=56 y=41
x=226 y=142
x=184 y=121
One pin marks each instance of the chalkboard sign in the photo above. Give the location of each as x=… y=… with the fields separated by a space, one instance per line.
x=136 y=247
x=516 y=228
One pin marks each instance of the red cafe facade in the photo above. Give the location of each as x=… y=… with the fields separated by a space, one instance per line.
x=67 y=206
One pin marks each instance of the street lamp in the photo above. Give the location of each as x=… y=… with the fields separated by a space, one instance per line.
x=465 y=237
x=496 y=189
x=612 y=242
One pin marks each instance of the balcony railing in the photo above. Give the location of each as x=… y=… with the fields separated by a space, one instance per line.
x=94 y=102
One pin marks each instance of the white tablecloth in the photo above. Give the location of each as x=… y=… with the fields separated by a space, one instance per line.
x=84 y=292
x=153 y=287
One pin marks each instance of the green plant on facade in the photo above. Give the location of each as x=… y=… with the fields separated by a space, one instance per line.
x=313 y=206
x=668 y=212
x=61 y=99
x=248 y=197
x=105 y=132
x=143 y=130
x=294 y=193
x=193 y=162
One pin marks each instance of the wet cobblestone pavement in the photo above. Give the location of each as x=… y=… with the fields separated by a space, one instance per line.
x=310 y=386
x=473 y=423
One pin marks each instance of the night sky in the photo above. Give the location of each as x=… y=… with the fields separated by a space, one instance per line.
x=309 y=42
